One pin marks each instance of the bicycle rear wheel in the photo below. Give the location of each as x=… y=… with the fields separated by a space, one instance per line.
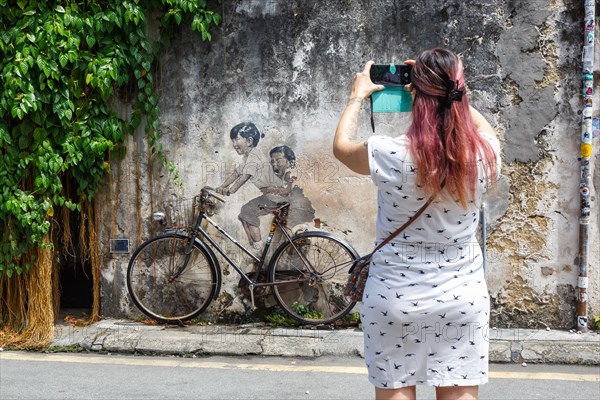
x=315 y=266
x=167 y=288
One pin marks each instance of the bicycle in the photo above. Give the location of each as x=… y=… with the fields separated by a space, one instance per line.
x=174 y=277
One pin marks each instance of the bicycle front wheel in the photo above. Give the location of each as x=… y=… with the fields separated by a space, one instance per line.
x=169 y=285
x=309 y=274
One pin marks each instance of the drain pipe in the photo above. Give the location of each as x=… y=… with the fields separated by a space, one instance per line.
x=586 y=155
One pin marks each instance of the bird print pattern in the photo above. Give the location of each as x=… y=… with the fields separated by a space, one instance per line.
x=425 y=309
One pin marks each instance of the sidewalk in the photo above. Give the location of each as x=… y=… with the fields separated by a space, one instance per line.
x=124 y=336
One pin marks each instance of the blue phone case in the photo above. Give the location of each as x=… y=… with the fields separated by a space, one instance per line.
x=392 y=99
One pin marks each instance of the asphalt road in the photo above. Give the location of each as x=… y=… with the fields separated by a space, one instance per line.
x=25 y=375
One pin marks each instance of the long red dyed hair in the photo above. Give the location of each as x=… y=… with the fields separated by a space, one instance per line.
x=444 y=141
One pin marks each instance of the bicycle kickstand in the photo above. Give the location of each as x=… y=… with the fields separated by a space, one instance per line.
x=251 y=287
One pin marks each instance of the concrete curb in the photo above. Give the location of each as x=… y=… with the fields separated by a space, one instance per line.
x=124 y=336
x=542 y=346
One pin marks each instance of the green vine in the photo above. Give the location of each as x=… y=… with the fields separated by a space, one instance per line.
x=61 y=64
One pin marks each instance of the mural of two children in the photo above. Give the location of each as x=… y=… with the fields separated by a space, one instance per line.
x=274 y=175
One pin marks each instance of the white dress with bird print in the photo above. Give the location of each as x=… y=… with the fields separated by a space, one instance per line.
x=425 y=309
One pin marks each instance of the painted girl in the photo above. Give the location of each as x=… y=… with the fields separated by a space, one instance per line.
x=245 y=137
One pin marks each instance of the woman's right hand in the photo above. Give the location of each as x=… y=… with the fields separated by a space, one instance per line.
x=362 y=86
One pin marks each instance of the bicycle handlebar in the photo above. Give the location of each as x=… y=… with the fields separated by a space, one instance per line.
x=211 y=192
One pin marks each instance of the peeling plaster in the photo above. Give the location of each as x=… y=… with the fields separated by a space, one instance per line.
x=518 y=305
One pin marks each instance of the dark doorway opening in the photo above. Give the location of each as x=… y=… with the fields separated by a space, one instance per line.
x=75 y=277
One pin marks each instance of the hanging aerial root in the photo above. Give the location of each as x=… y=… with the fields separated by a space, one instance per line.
x=36 y=330
x=95 y=259
x=13 y=298
x=88 y=238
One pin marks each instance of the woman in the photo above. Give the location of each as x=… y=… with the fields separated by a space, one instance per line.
x=425 y=308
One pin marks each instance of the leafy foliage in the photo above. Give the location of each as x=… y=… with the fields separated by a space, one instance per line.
x=306 y=311
x=278 y=318
x=61 y=62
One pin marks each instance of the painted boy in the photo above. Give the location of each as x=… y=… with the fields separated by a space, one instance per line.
x=275 y=188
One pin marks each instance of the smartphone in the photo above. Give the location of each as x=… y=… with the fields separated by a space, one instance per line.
x=390 y=74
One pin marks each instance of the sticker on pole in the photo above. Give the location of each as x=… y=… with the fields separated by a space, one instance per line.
x=586 y=150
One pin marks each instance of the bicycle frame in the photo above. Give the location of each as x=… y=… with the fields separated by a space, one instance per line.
x=175 y=276
x=201 y=234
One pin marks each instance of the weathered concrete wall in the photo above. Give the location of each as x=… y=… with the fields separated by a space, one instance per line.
x=287 y=66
